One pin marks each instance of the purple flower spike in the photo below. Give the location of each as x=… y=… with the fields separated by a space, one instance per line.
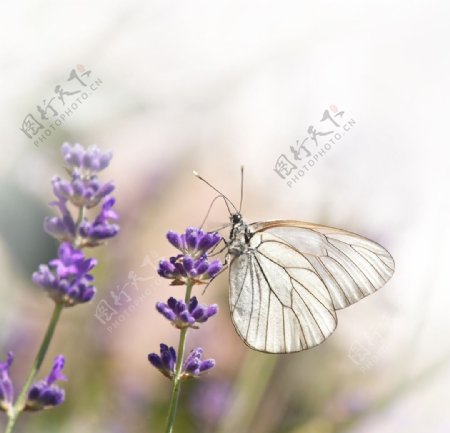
x=186 y=316
x=6 y=386
x=67 y=279
x=44 y=394
x=166 y=361
x=188 y=268
x=102 y=228
x=85 y=161
x=193 y=264
x=68 y=261
x=81 y=192
x=184 y=267
x=72 y=153
x=194 y=366
x=62 y=228
x=194 y=242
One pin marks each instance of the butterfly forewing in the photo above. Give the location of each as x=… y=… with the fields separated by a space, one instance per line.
x=287 y=283
x=351 y=266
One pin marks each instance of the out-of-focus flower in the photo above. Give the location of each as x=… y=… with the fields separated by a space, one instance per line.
x=62 y=228
x=85 y=161
x=44 y=394
x=194 y=366
x=67 y=279
x=166 y=361
x=186 y=316
x=103 y=227
x=210 y=401
x=81 y=192
x=6 y=386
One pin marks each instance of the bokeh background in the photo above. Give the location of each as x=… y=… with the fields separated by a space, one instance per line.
x=210 y=86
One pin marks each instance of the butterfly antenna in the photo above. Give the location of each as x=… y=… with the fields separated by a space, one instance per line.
x=209 y=210
x=226 y=199
x=242 y=188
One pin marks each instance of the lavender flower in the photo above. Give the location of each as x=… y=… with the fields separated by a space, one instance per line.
x=66 y=279
x=182 y=268
x=85 y=161
x=44 y=394
x=194 y=366
x=193 y=264
x=103 y=227
x=165 y=362
x=84 y=191
x=194 y=242
x=186 y=316
x=189 y=268
x=6 y=386
x=81 y=192
x=62 y=228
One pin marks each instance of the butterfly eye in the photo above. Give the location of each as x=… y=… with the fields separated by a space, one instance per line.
x=236 y=218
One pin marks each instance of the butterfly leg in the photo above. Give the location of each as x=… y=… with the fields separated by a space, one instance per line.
x=221 y=250
x=209 y=282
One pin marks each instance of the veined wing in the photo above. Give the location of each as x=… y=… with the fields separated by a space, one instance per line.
x=278 y=302
x=350 y=266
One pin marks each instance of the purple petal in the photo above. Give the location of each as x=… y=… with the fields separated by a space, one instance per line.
x=155 y=360
x=188 y=263
x=214 y=268
x=193 y=304
x=174 y=239
x=202 y=266
x=56 y=372
x=207 y=365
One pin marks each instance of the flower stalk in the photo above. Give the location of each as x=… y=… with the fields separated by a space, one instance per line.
x=19 y=406
x=176 y=387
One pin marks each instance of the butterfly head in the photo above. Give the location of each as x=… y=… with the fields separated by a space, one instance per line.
x=236 y=218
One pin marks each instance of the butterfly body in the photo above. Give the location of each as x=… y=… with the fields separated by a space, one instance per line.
x=240 y=236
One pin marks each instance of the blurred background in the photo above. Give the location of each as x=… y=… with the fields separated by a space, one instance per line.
x=172 y=87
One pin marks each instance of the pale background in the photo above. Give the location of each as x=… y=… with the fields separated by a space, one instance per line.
x=210 y=86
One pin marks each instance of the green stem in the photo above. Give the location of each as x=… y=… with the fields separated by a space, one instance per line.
x=80 y=215
x=173 y=406
x=21 y=400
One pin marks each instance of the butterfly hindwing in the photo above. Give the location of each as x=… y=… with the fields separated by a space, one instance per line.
x=278 y=303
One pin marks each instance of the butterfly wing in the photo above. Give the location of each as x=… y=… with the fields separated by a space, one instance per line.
x=285 y=288
x=278 y=302
x=351 y=266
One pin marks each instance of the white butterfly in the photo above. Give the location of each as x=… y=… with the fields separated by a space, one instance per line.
x=288 y=278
